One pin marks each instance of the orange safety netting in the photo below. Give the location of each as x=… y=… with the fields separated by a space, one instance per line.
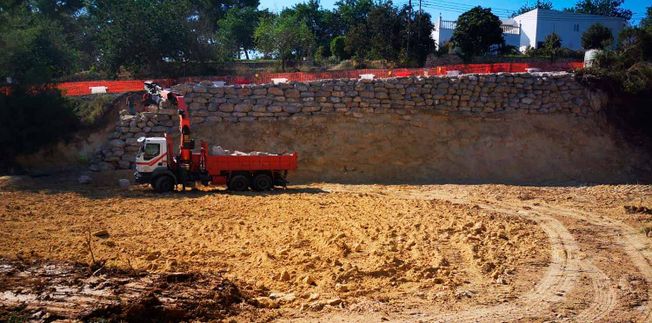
x=86 y=87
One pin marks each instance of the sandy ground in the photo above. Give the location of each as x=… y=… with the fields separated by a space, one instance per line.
x=331 y=252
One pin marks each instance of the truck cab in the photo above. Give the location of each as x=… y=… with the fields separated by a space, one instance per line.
x=151 y=158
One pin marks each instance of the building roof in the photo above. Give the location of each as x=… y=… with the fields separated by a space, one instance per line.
x=557 y=14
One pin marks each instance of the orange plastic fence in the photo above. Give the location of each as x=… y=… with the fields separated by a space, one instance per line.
x=85 y=88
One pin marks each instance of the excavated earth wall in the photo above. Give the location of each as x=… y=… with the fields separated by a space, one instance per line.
x=512 y=128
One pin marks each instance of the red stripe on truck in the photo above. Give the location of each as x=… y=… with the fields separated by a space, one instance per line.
x=152 y=162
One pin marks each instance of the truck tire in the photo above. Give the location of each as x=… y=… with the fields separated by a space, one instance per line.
x=238 y=183
x=262 y=182
x=164 y=184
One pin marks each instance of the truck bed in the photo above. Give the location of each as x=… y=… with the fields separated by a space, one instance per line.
x=216 y=164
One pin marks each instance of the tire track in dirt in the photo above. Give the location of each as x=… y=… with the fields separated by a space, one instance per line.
x=567 y=267
x=635 y=246
x=560 y=277
x=605 y=296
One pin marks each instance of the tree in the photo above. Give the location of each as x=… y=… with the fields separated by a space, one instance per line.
x=236 y=30
x=145 y=35
x=323 y=23
x=420 y=42
x=635 y=45
x=384 y=34
x=597 y=37
x=646 y=22
x=551 y=45
x=351 y=13
x=539 y=5
x=337 y=47
x=34 y=48
x=378 y=36
x=609 y=8
x=204 y=15
x=32 y=120
x=476 y=31
x=284 y=36
x=35 y=51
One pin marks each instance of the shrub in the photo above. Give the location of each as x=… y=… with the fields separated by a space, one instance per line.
x=635 y=45
x=338 y=45
x=476 y=31
x=90 y=109
x=552 y=45
x=597 y=37
x=31 y=120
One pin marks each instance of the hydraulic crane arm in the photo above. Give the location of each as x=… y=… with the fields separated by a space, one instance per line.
x=157 y=95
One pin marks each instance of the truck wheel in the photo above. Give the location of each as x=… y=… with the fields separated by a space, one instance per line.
x=164 y=184
x=238 y=183
x=262 y=182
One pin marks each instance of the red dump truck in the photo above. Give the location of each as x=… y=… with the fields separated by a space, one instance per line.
x=156 y=163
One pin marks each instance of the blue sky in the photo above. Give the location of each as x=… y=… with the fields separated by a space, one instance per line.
x=449 y=10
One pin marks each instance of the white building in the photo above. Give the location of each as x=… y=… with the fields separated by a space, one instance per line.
x=443 y=32
x=539 y=23
x=531 y=28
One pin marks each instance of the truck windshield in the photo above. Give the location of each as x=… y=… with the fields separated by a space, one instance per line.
x=151 y=151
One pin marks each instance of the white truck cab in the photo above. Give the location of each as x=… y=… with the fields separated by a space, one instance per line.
x=151 y=156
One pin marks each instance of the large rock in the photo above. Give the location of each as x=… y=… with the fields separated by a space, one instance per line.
x=123 y=183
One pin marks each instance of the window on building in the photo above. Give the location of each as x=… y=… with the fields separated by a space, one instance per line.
x=576 y=27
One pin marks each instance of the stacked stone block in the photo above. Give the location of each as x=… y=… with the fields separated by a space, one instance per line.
x=468 y=94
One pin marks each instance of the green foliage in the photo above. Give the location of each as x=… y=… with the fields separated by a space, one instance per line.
x=90 y=109
x=352 y=12
x=551 y=46
x=143 y=35
x=635 y=45
x=284 y=37
x=507 y=50
x=337 y=47
x=597 y=37
x=235 y=31
x=421 y=44
x=34 y=49
x=324 y=24
x=476 y=31
x=626 y=73
x=204 y=15
x=391 y=34
x=646 y=22
x=31 y=120
x=609 y=8
x=552 y=42
x=538 y=5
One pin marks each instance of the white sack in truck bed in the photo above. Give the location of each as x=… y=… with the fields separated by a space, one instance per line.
x=219 y=151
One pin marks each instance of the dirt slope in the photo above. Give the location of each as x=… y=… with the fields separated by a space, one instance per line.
x=512 y=148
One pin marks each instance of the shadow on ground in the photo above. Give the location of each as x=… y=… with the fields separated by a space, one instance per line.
x=105 y=185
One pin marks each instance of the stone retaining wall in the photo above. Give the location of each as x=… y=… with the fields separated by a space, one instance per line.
x=466 y=95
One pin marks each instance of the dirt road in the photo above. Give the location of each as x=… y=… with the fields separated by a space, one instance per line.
x=354 y=252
